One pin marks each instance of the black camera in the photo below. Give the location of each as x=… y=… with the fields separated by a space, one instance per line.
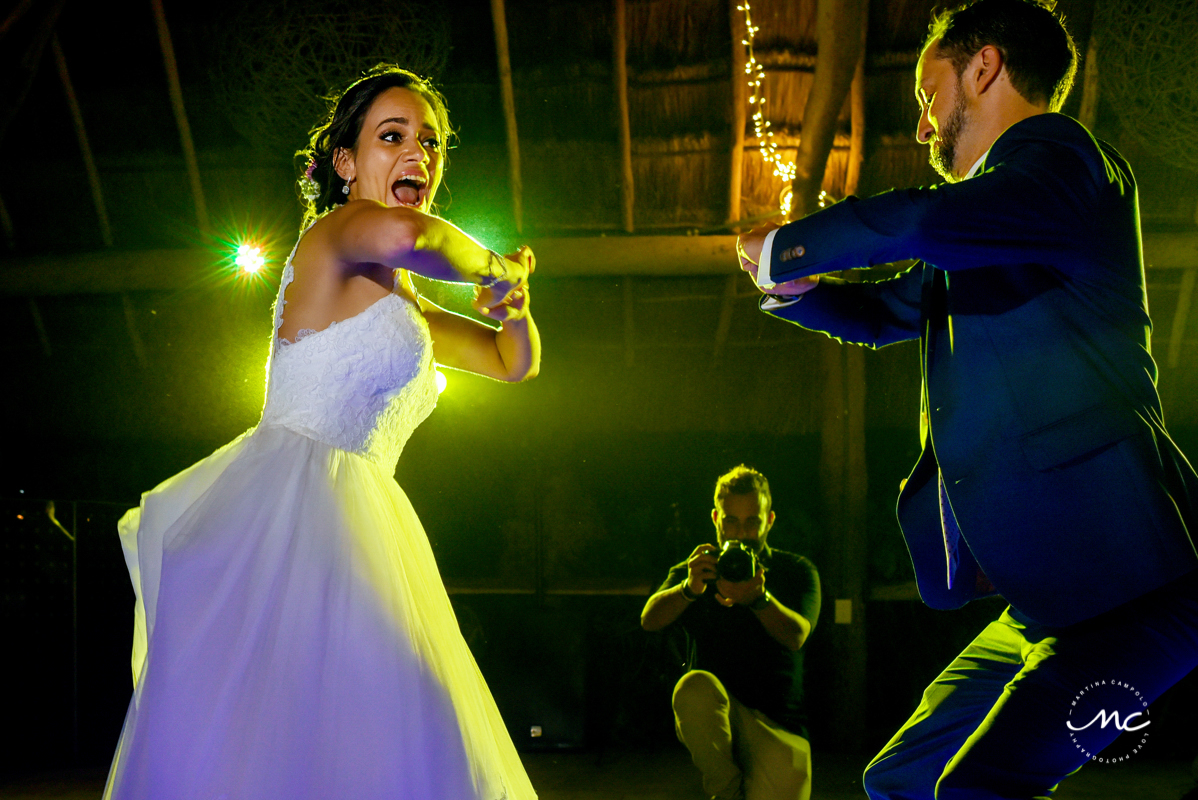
x=737 y=562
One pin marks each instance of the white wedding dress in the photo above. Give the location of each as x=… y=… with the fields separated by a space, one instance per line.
x=293 y=638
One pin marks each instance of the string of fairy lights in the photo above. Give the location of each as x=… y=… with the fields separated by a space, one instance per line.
x=783 y=168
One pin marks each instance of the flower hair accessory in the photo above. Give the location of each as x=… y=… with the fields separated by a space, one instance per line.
x=309 y=186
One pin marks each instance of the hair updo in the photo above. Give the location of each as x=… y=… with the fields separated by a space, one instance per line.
x=319 y=184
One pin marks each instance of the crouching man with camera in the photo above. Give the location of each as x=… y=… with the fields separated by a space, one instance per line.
x=739 y=708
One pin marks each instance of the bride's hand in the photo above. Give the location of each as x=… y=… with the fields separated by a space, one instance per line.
x=507 y=300
x=512 y=307
x=516 y=269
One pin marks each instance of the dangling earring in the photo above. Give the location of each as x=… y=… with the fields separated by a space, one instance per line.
x=345 y=189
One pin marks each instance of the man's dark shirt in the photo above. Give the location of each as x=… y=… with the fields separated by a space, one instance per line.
x=733 y=645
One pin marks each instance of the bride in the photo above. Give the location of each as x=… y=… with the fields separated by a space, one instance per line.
x=292 y=637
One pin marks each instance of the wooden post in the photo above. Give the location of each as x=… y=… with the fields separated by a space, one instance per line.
x=139 y=348
x=844 y=483
x=740 y=90
x=839 y=34
x=10 y=234
x=176 y=92
x=852 y=178
x=620 y=76
x=39 y=325
x=499 y=18
x=1185 y=296
x=629 y=322
x=1088 y=114
x=93 y=175
x=845 y=478
x=727 y=306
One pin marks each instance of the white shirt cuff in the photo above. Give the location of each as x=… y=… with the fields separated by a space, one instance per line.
x=773 y=302
x=763 y=266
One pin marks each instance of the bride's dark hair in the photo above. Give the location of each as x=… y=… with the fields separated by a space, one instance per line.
x=319 y=184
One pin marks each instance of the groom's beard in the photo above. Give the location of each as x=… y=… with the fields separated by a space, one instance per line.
x=943 y=151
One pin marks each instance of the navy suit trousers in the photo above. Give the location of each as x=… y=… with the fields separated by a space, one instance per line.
x=995 y=723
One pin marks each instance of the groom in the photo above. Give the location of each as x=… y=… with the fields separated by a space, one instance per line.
x=1046 y=475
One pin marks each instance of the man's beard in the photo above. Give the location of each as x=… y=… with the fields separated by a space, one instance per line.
x=943 y=152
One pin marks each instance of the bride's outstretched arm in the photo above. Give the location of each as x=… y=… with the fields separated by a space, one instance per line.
x=369 y=233
x=511 y=353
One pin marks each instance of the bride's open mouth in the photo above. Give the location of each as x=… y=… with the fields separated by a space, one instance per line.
x=410 y=190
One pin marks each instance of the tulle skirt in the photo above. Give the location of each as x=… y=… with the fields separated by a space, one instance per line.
x=293 y=639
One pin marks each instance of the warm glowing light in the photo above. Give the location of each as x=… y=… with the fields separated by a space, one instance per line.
x=442 y=381
x=250 y=259
x=761 y=127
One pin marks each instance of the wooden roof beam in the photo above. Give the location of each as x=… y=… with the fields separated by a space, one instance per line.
x=14 y=17
x=176 y=92
x=14 y=90
x=89 y=163
x=499 y=18
x=16 y=84
x=110 y=271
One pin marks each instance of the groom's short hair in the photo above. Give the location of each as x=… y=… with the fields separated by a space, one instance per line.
x=1039 y=53
x=743 y=480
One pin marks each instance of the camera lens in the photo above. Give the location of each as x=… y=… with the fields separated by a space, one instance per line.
x=736 y=563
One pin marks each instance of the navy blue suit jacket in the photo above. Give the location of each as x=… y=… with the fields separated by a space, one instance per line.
x=1039 y=398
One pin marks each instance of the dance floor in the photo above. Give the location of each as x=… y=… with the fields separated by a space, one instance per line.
x=668 y=775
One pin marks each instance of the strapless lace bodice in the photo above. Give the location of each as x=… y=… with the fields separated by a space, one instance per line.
x=361 y=385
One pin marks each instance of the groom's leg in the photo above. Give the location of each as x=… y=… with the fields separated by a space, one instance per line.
x=1023 y=748
x=952 y=707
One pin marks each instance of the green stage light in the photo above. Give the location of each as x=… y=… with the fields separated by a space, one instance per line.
x=442 y=382
x=249 y=259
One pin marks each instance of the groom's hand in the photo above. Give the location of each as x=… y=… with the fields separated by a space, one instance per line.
x=748 y=247
x=793 y=288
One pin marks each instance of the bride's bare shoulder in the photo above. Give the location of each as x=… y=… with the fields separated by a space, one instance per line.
x=336 y=236
x=317 y=251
